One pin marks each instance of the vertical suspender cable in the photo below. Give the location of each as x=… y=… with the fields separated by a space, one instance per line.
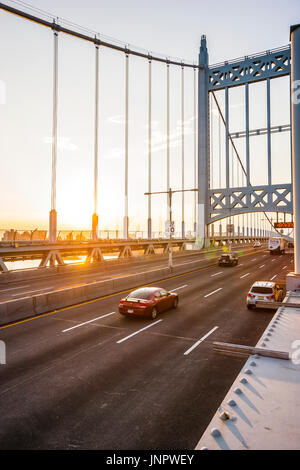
x=227 y=136
x=182 y=150
x=247 y=134
x=95 y=215
x=220 y=163
x=211 y=142
x=53 y=214
x=125 y=230
x=195 y=153
x=54 y=128
x=168 y=138
x=149 y=149
x=269 y=131
x=220 y=166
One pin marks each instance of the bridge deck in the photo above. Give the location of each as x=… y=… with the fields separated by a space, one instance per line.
x=265 y=412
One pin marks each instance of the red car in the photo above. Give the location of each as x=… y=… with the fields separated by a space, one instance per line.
x=148 y=302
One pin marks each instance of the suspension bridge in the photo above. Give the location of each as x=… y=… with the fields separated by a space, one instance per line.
x=102 y=374
x=237 y=204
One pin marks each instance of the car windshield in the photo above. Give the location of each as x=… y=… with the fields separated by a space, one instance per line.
x=262 y=290
x=143 y=294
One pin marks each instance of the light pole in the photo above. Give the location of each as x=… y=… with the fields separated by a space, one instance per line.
x=170 y=194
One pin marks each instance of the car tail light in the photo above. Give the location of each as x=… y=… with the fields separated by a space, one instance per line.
x=143 y=304
x=122 y=301
x=251 y=295
x=270 y=297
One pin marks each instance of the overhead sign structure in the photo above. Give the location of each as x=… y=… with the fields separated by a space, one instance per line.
x=284 y=224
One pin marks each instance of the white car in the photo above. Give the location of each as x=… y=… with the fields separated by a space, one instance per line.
x=256 y=244
x=265 y=291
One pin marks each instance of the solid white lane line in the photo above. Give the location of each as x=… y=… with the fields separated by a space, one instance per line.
x=177 y=288
x=273 y=277
x=13 y=288
x=213 y=292
x=284 y=267
x=86 y=322
x=273 y=259
x=200 y=341
x=138 y=331
x=244 y=275
x=216 y=274
x=261 y=266
x=254 y=259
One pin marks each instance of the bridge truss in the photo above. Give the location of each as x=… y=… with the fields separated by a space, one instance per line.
x=220 y=203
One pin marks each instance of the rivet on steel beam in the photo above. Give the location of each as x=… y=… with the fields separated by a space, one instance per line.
x=204 y=448
x=224 y=416
x=244 y=380
x=253 y=363
x=269 y=334
x=247 y=371
x=231 y=403
x=215 y=432
x=238 y=391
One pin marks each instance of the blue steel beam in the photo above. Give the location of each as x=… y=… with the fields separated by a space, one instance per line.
x=231 y=201
x=270 y=64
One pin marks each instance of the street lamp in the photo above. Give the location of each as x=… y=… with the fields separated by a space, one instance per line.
x=170 y=193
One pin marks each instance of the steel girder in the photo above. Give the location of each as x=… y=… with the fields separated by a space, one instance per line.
x=227 y=202
x=270 y=64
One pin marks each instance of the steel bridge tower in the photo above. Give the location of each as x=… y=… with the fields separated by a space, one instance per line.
x=215 y=204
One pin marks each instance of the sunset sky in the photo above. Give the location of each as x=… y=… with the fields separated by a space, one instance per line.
x=170 y=27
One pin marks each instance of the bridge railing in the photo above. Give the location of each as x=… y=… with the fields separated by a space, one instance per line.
x=80 y=235
x=40 y=235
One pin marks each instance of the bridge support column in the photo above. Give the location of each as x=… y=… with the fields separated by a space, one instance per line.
x=125 y=227
x=3 y=267
x=203 y=146
x=95 y=227
x=52 y=257
x=52 y=226
x=293 y=279
x=149 y=228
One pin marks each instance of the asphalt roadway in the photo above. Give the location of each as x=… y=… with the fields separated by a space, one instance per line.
x=85 y=377
x=100 y=271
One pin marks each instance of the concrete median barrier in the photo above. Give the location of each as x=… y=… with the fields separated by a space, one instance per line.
x=14 y=310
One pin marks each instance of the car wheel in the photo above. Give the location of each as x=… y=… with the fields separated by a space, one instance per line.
x=249 y=306
x=154 y=313
x=175 y=304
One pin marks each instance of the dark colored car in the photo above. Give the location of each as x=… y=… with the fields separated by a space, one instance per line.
x=148 y=302
x=228 y=259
